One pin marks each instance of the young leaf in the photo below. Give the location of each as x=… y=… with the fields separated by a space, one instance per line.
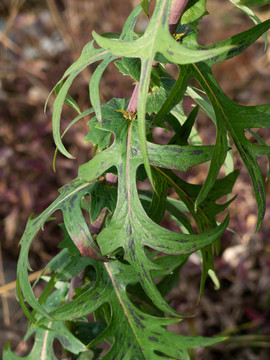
x=195 y=10
x=145 y=7
x=126 y=35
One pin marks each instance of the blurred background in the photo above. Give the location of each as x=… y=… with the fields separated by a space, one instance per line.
x=39 y=39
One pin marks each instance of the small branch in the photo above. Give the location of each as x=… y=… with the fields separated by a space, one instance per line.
x=132 y=106
x=76 y=282
x=96 y=226
x=111 y=179
x=177 y=9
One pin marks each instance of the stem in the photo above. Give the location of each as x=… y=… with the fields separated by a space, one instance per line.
x=96 y=226
x=177 y=9
x=132 y=106
x=76 y=282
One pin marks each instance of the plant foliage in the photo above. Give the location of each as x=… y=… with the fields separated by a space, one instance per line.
x=131 y=263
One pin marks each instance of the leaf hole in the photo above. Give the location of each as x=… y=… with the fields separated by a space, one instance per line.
x=143 y=20
x=57 y=349
x=162 y=136
x=22 y=349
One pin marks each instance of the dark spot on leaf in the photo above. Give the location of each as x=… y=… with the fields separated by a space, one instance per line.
x=134 y=151
x=145 y=273
x=236 y=50
x=96 y=297
x=182 y=241
x=151 y=338
x=131 y=248
x=135 y=317
x=196 y=152
x=174 y=149
x=120 y=171
x=128 y=229
x=36 y=222
x=141 y=278
x=145 y=69
x=164 y=17
x=64 y=341
x=162 y=247
x=131 y=26
x=72 y=201
x=170 y=52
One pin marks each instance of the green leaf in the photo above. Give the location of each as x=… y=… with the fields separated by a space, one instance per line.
x=138 y=335
x=130 y=227
x=261 y=142
x=208 y=109
x=69 y=203
x=88 y=56
x=254 y=2
x=176 y=94
x=181 y=136
x=251 y=15
x=202 y=72
x=68 y=100
x=195 y=10
x=156 y=39
x=44 y=338
x=206 y=212
x=174 y=207
x=96 y=137
x=94 y=85
x=235 y=119
x=145 y=7
x=158 y=204
x=240 y=42
x=104 y=196
x=130 y=67
x=74 y=121
x=43 y=346
x=160 y=86
x=126 y=35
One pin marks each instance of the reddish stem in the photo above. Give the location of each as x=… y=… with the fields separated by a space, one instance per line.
x=132 y=106
x=177 y=9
